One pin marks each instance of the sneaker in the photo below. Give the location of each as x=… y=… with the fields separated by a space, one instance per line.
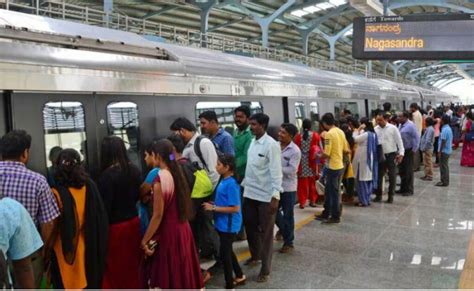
x=426 y=178
x=278 y=236
x=389 y=200
x=332 y=220
x=286 y=249
x=312 y=204
x=377 y=199
x=262 y=278
x=321 y=217
x=441 y=184
x=252 y=262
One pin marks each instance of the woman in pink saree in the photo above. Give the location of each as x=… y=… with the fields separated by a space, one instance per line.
x=467 y=156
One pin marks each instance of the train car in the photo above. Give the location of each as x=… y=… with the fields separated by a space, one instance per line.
x=70 y=84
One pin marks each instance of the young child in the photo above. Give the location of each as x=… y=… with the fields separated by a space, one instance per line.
x=426 y=146
x=227 y=219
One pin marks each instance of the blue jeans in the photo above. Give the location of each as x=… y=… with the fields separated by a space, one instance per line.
x=333 y=184
x=285 y=219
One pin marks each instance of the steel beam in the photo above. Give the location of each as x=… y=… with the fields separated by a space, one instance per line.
x=265 y=22
x=450 y=81
x=227 y=23
x=159 y=12
x=396 y=4
x=332 y=40
x=108 y=9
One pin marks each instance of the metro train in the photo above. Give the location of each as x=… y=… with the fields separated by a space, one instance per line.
x=70 y=84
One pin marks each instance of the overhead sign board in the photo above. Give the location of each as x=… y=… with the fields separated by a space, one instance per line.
x=431 y=37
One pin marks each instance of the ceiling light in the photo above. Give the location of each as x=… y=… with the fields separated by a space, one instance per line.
x=337 y=2
x=349 y=32
x=312 y=9
x=299 y=13
x=325 y=5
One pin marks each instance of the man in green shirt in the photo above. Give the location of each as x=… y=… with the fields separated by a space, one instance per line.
x=242 y=139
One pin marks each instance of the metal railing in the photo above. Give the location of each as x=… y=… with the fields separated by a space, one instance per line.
x=62 y=10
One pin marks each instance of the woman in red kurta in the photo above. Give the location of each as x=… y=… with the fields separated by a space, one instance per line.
x=308 y=142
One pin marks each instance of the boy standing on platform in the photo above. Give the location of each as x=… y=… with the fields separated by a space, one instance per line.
x=444 y=151
x=290 y=160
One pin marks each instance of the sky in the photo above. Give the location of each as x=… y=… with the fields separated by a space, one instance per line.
x=463 y=88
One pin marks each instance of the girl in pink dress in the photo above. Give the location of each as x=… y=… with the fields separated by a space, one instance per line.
x=168 y=245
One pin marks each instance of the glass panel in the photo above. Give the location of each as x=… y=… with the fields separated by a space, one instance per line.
x=123 y=122
x=64 y=126
x=339 y=107
x=300 y=114
x=314 y=115
x=225 y=112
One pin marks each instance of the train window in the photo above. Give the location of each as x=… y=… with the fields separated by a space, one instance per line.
x=123 y=122
x=64 y=126
x=314 y=115
x=300 y=114
x=339 y=107
x=225 y=111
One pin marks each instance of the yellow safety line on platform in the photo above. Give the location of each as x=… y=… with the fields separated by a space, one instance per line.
x=246 y=254
x=467 y=276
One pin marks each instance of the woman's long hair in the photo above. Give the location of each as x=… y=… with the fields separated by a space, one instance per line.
x=306 y=128
x=69 y=170
x=348 y=133
x=112 y=152
x=164 y=149
x=368 y=124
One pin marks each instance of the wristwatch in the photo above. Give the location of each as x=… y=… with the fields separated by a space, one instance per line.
x=214 y=207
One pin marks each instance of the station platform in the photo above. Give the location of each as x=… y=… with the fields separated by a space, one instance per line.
x=419 y=241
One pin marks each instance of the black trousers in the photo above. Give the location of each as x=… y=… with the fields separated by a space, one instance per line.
x=259 y=224
x=435 y=149
x=407 y=173
x=228 y=258
x=205 y=235
x=387 y=166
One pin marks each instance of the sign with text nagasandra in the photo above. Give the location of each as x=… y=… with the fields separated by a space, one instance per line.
x=435 y=37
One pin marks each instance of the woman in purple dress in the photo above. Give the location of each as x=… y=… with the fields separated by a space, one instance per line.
x=171 y=256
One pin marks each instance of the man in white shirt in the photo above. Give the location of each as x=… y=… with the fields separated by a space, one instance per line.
x=418 y=121
x=392 y=146
x=262 y=187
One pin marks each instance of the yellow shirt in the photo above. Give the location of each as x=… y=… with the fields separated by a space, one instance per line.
x=334 y=145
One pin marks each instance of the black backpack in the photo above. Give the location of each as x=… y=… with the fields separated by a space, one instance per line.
x=197 y=150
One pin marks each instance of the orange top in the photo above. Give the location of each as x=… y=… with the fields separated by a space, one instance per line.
x=73 y=276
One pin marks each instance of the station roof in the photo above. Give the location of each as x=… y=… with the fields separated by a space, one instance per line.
x=319 y=19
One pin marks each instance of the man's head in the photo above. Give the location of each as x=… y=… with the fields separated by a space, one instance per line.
x=429 y=121
x=382 y=119
x=208 y=122
x=445 y=120
x=346 y=113
x=287 y=133
x=403 y=117
x=15 y=146
x=259 y=124
x=183 y=127
x=328 y=121
x=387 y=106
x=241 y=116
x=414 y=107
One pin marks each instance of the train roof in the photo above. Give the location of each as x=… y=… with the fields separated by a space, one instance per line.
x=194 y=63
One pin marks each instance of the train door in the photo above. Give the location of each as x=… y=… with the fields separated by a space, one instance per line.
x=304 y=108
x=55 y=120
x=132 y=118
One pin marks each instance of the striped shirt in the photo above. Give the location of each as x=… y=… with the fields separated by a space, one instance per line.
x=30 y=189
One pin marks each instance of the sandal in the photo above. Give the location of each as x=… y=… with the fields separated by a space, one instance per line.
x=240 y=281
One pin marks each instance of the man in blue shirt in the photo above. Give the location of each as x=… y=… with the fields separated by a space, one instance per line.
x=262 y=187
x=411 y=143
x=222 y=139
x=445 y=148
x=19 y=239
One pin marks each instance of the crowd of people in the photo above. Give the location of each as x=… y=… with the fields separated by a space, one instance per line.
x=204 y=191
